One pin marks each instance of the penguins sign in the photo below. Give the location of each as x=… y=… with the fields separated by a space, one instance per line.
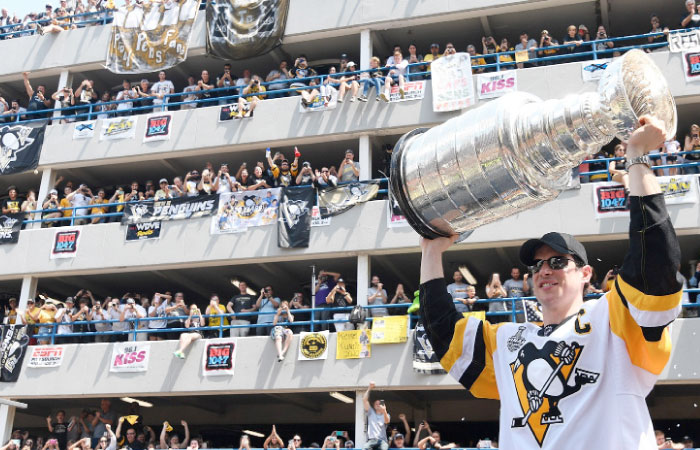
x=542 y=379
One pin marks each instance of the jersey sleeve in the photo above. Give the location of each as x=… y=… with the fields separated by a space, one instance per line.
x=646 y=296
x=465 y=346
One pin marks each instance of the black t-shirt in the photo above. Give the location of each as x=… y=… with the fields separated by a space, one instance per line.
x=253 y=180
x=691 y=24
x=306 y=179
x=143 y=102
x=242 y=301
x=230 y=84
x=284 y=179
x=60 y=433
x=339 y=299
x=13 y=205
x=35 y=103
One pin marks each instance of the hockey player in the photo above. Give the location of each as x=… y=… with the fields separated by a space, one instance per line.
x=585 y=372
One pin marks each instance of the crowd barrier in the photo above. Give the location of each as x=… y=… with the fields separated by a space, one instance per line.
x=420 y=67
x=138 y=326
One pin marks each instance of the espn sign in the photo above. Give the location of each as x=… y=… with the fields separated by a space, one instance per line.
x=46 y=356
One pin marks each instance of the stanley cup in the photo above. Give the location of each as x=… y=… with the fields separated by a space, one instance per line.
x=517 y=152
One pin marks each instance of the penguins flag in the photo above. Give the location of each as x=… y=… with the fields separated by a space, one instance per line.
x=13 y=346
x=425 y=359
x=20 y=147
x=294 y=227
x=337 y=200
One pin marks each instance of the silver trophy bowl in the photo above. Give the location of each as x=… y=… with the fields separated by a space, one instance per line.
x=517 y=152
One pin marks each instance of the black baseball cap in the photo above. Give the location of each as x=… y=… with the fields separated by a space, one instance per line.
x=560 y=242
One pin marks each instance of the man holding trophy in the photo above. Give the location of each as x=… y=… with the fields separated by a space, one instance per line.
x=585 y=371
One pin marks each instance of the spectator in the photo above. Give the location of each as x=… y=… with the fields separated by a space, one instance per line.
x=603 y=47
x=339 y=297
x=243 y=80
x=160 y=89
x=528 y=44
x=224 y=182
x=65 y=99
x=129 y=312
x=489 y=48
x=277 y=78
x=191 y=183
x=301 y=70
x=694 y=283
x=374 y=78
x=273 y=440
x=100 y=313
x=584 y=34
x=164 y=192
x=64 y=316
x=691 y=18
x=244 y=443
x=45 y=314
x=671 y=148
x=254 y=87
x=432 y=56
x=29 y=205
x=266 y=303
x=257 y=181
x=656 y=27
x=85 y=95
x=59 y=428
x=145 y=97
x=51 y=203
x=618 y=168
x=299 y=305
x=324 y=179
x=458 y=291
x=99 y=200
x=399 y=70
x=434 y=441
x=692 y=143
x=213 y=309
x=516 y=288
x=664 y=442
x=103 y=107
x=494 y=289
x=546 y=42
x=176 y=310
x=226 y=80
x=130 y=442
x=194 y=320
x=125 y=96
x=11 y=315
x=505 y=47
x=158 y=309
x=14 y=109
x=38 y=101
x=477 y=63
x=102 y=418
x=348 y=82
x=306 y=175
x=398 y=440
x=3 y=105
x=174 y=441
x=241 y=303
x=79 y=199
x=349 y=169
x=204 y=85
x=572 y=37
x=377 y=420
x=282 y=335
x=390 y=61
x=687 y=442
x=12 y=204
x=413 y=58
x=376 y=295
x=191 y=96
x=399 y=297
x=324 y=285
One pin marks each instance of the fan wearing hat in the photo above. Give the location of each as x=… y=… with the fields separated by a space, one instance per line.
x=587 y=366
x=340 y=297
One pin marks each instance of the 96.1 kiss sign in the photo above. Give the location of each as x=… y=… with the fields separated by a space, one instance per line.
x=130 y=357
x=158 y=127
x=219 y=356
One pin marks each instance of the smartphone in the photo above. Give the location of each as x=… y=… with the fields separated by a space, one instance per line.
x=339 y=433
x=381 y=402
x=17 y=442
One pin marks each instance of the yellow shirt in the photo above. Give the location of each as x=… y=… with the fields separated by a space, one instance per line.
x=99 y=209
x=216 y=321
x=429 y=58
x=64 y=203
x=505 y=58
x=478 y=62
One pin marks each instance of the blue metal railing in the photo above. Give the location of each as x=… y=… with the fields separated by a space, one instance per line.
x=49 y=331
x=653 y=157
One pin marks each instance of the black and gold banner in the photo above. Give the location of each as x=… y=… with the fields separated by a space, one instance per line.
x=151 y=36
x=244 y=29
x=336 y=200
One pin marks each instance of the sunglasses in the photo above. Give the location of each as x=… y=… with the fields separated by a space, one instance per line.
x=555 y=263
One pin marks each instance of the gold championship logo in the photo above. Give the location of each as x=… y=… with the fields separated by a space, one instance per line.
x=313 y=345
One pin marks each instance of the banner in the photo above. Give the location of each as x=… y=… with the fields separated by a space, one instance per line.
x=319 y=104
x=171 y=209
x=679 y=189
x=218 y=357
x=593 y=70
x=240 y=30
x=65 y=243
x=142 y=231
x=237 y=211
x=353 y=344
x=294 y=227
x=496 y=84
x=389 y=329
x=46 y=356
x=313 y=345
x=425 y=359
x=394 y=215
x=158 y=127
x=20 y=148
x=10 y=226
x=413 y=90
x=684 y=41
x=336 y=200
x=452 y=83
x=691 y=66
x=84 y=130
x=130 y=357
x=13 y=346
x=118 y=128
x=610 y=200
x=227 y=112
x=150 y=36
x=317 y=220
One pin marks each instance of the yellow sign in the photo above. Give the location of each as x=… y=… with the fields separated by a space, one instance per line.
x=389 y=329
x=481 y=315
x=353 y=344
x=522 y=56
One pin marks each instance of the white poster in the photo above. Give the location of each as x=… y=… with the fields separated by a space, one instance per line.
x=46 y=356
x=84 y=130
x=240 y=210
x=158 y=127
x=317 y=220
x=684 y=41
x=320 y=103
x=593 y=70
x=453 y=87
x=65 y=243
x=219 y=357
x=118 y=128
x=413 y=90
x=313 y=346
x=691 y=66
x=130 y=357
x=496 y=84
x=610 y=200
x=679 y=189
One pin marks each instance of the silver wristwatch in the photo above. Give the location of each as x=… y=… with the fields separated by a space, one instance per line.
x=644 y=159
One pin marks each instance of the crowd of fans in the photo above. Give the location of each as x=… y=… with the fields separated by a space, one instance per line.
x=67 y=15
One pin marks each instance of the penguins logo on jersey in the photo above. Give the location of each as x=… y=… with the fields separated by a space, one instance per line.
x=542 y=379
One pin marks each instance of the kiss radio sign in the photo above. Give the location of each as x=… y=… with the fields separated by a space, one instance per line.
x=130 y=357
x=496 y=84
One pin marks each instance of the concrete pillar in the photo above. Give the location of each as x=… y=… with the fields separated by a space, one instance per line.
x=7 y=419
x=28 y=291
x=48 y=179
x=364 y=270
x=365 y=49
x=65 y=79
x=360 y=420
x=365 y=157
